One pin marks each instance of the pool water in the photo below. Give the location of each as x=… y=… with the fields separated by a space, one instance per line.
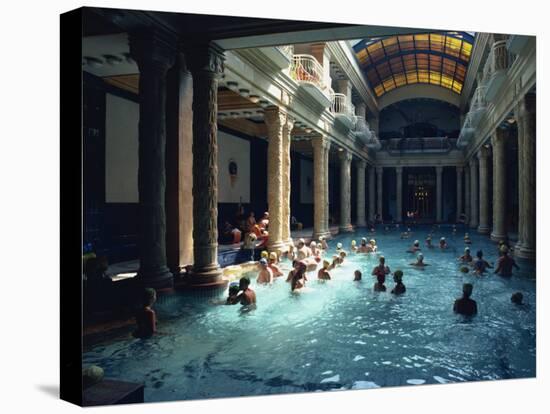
x=339 y=334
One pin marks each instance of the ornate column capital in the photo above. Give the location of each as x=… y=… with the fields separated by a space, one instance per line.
x=361 y=164
x=439 y=169
x=205 y=58
x=483 y=153
x=345 y=156
x=275 y=117
x=152 y=48
x=321 y=141
x=289 y=124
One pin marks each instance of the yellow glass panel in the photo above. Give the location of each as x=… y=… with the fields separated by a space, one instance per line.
x=391 y=46
x=435 y=78
x=423 y=76
x=422 y=41
x=396 y=65
x=400 y=80
x=406 y=42
x=389 y=84
x=412 y=77
x=447 y=82
x=437 y=42
x=457 y=87
x=378 y=90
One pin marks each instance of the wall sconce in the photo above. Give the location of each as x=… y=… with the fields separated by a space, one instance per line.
x=254 y=98
x=234 y=86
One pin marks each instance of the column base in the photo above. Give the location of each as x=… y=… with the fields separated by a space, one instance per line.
x=323 y=233
x=517 y=246
x=483 y=229
x=473 y=225
x=526 y=253
x=361 y=224
x=277 y=246
x=288 y=243
x=347 y=228
x=498 y=237
x=157 y=279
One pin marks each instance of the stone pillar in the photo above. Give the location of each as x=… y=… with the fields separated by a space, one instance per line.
x=326 y=223
x=345 y=191
x=154 y=56
x=371 y=193
x=467 y=193
x=179 y=167
x=483 y=157
x=361 y=221
x=206 y=63
x=459 y=171
x=379 y=172
x=320 y=145
x=399 y=198
x=521 y=195
x=498 y=141
x=287 y=130
x=528 y=116
x=474 y=204
x=439 y=194
x=275 y=119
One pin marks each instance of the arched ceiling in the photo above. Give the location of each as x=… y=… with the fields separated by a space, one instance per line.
x=435 y=58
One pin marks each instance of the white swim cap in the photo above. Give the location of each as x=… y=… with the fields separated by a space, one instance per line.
x=420 y=256
x=302 y=241
x=416 y=242
x=442 y=239
x=339 y=246
x=467 y=249
x=313 y=244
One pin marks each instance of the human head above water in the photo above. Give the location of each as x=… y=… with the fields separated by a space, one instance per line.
x=357 y=275
x=517 y=298
x=382 y=260
x=398 y=276
x=467 y=289
x=479 y=254
x=244 y=282
x=149 y=296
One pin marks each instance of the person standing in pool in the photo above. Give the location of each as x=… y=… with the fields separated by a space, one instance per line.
x=465 y=305
x=399 y=287
x=415 y=247
x=419 y=261
x=466 y=257
x=247 y=297
x=480 y=264
x=443 y=243
x=299 y=278
x=266 y=274
x=505 y=263
x=429 y=244
x=357 y=276
x=379 y=285
x=323 y=273
x=381 y=269
x=146 y=318
x=272 y=264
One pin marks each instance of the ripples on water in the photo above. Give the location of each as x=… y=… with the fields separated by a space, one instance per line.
x=339 y=334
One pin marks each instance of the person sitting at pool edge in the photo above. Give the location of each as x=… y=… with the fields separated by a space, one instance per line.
x=146 y=318
x=505 y=263
x=415 y=247
x=323 y=273
x=266 y=275
x=379 y=285
x=466 y=257
x=399 y=287
x=465 y=305
x=357 y=276
x=443 y=243
x=419 y=261
x=480 y=264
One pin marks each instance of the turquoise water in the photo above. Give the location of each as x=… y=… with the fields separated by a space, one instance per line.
x=339 y=334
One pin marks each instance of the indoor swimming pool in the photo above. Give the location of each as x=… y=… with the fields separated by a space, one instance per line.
x=339 y=334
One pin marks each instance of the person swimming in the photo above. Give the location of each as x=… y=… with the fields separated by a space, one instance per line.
x=299 y=278
x=399 y=287
x=379 y=285
x=357 y=276
x=505 y=263
x=419 y=261
x=247 y=297
x=265 y=276
x=429 y=242
x=272 y=264
x=373 y=245
x=353 y=246
x=323 y=273
x=443 y=243
x=338 y=247
x=480 y=264
x=303 y=251
x=365 y=247
x=342 y=256
x=415 y=247
x=465 y=305
x=466 y=257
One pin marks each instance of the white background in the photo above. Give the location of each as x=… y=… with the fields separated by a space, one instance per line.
x=29 y=219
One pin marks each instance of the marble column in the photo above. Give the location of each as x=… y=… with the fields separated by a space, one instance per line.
x=371 y=194
x=474 y=204
x=528 y=176
x=399 y=195
x=206 y=63
x=361 y=220
x=438 y=194
x=379 y=172
x=459 y=171
x=287 y=131
x=154 y=56
x=275 y=119
x=326 y=152
x=467 y=193
x=345 y=191
x=179 y=166
x=483 y=158
x=320 y=145
x=498 y=141
x=521 y=195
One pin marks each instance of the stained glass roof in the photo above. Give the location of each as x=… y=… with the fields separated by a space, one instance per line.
x=438 y=58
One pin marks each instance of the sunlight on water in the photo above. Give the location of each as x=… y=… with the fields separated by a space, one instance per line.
x=339 y=334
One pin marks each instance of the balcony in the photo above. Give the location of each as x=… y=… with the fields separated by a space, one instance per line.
x=516 y=44
x=429 y=145
x=466 y=133
x=494 y=71
x=478 y=107
x=343 y=110
x=310 y=76
x=279 y=56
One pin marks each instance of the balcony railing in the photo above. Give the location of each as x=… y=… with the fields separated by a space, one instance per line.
x=478 y=106
x=343 y=109
x=307 y=71
x=466 y=132
x=419 y=145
